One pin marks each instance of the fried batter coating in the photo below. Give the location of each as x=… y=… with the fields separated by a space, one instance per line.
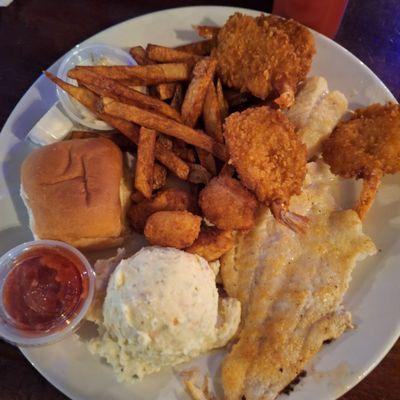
x=226 y=203
x=171 y=199
x=263 y=55
x=367 y=146
x=212 y=243
x=177 y=229
x=268 y=156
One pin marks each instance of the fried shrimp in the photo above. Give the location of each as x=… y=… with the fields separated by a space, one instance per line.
x=269 y=158
x=366 y=147
x=177 y=229
x=226 y=203
x=264 y=55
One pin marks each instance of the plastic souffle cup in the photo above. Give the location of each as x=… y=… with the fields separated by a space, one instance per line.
x=86 y=55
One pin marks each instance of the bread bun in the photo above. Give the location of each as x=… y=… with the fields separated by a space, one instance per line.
x=72 y=192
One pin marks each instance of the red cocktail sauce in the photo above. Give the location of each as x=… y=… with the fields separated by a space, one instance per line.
x=45 y=289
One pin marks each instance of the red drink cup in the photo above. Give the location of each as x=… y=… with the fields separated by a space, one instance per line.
x=322 y=15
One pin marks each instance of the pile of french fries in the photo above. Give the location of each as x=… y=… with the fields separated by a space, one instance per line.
x=170 y=105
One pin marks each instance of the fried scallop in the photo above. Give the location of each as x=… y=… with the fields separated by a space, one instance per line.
x=177 y=229
x=170 y=199
x=212 y=243
x=227 y=204
x=269 y=158
x=367 y=146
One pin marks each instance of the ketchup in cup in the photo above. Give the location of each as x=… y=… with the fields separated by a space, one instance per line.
x=46 y=288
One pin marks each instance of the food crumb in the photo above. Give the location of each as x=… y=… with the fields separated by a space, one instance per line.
x=289 y=388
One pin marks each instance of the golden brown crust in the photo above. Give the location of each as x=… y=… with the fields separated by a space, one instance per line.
x=73 y=191
x=368 y=142
x=226 y=203
x=212 y=243
x=171 y=199
x=177 y=229
x=266 y=152
x=264 y=54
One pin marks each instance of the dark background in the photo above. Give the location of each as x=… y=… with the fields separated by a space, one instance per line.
x=35 y=33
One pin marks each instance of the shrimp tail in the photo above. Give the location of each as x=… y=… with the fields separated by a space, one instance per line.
x=295 y=222
x=368 y=193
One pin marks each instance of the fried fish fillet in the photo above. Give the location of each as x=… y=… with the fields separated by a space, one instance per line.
x=315 y=113
x=291 y=289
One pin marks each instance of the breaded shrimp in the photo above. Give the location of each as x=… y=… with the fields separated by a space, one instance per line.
x=177 y=229
x=264 y=55
x=269 y=158
x=366 y=147
x=226 y=203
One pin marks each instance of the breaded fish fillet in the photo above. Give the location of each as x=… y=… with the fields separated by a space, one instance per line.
x=315 y=113
x=291 y=288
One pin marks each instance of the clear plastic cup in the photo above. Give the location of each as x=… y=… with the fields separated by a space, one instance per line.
x=19 y=337
x=88 y=54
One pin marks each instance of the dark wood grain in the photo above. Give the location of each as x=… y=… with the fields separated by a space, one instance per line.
x=34 y=33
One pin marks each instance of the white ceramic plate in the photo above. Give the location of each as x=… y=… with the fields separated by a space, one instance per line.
x=373 y=298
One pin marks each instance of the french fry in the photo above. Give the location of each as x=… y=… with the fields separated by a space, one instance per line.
x=164 y=54
x=192 y=106
x=162 y=124
x=202 y=48
x=207 y=161
x=172 y=161
x=187 y=154
x=170 y=144
x=139 y=54
x=90 y=101
x=164 y=91
x=198 y=174
x=140 y=74
x=212 y=114
x=145 y=161
x=117 y=137
x=207 y=32
x=159 y=176
x=177 y=99
x=130 y=130
x=165 y=141
x=227 y=170
x=83 y=135
x=223 y=104
x=107 y=87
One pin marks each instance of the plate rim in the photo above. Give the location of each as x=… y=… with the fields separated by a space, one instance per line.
x=389 y=343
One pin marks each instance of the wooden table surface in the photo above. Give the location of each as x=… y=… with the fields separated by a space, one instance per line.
x=35 y=33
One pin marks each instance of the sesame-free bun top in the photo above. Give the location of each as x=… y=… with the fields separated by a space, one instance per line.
x=72 y=192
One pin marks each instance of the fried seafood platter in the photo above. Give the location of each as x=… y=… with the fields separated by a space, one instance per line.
x=226 y=158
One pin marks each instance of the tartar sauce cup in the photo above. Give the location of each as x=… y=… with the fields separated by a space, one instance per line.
x=88 y=54
x=46 y=288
